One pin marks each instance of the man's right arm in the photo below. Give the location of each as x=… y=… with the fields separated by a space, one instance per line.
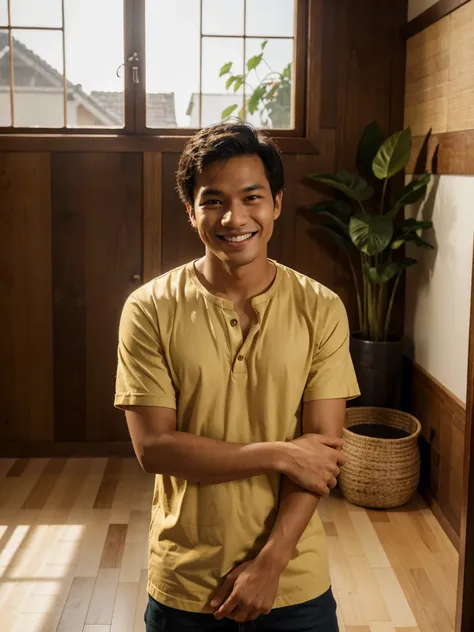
x=161 y=449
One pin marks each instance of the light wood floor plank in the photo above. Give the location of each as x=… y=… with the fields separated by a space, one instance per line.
x=77 y=604
x=103 y=597
x=124 y=608
x=141 y=602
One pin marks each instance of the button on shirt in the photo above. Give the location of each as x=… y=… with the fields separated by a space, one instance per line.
x=177 y=350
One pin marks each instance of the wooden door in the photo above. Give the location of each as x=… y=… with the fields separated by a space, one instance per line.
x=96 y=263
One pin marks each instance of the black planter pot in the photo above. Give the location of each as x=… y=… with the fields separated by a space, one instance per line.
x=378 y=366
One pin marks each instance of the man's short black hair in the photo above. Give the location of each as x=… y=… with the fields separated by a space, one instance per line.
x=221 y=142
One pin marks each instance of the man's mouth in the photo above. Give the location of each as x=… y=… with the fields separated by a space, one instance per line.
x=235 y=239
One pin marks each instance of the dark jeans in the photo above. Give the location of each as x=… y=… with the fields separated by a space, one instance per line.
x=317 y=615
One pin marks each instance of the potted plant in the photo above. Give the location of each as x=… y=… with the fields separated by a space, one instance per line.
x=366 y=220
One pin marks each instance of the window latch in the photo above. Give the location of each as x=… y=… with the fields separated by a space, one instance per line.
x=133 y=59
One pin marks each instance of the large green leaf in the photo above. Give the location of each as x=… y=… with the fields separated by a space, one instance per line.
x=369 y=144
x=225 y=68
x=339 y=210
x=351 y=184
x=371 y=233
x=413 y=238
x=393 y=155
x=382 y=273
x=228 y=111
x=412 y=225
x=407 y=262
x=414 y=191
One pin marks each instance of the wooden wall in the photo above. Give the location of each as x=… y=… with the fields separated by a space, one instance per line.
x=442 y=417
x=78 y=225
x=439 y=96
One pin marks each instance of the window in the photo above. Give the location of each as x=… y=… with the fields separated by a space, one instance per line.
x=150 y=66
x=55 y=71
x=210 y=58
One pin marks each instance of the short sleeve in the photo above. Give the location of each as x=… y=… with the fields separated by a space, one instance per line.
x=143 y=377
x=332 y=374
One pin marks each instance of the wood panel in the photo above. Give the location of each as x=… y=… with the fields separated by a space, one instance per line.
x=180 y=242
x=442 y=417
x=152 y=214
x=25 y=295
x=451 y=153
x=440 y=75
x=97 y=246
x=436 y=12
x=363 y=70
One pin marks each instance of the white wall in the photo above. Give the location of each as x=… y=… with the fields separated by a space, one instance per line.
x=415 y=7
x=438 y=289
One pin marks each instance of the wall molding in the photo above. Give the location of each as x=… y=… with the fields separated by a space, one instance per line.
x=68 y=449
x=449 y=153
x=435 y=13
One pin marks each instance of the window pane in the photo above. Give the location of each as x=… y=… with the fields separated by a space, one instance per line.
x=270 y=17
x=3 y=12
x=274 y=73
x=36 y=13
x=172 y=72
x=5 y=104
x=223 y=18
x=94 y=51
x=215 y=97
x=38 y=78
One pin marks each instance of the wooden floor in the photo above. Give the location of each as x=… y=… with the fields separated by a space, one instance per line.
x=73 y=553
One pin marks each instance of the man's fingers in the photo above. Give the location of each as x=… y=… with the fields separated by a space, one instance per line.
x=332 y=483
x=227 y=607
x=331 y=442
x=223 y=592
x=241 y=613
x=341 y=459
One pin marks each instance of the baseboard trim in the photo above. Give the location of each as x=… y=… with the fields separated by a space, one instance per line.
x=48 y=449
x=441 y=518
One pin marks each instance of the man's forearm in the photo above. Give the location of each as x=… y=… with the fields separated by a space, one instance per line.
x=210 y=461
x=296 y=509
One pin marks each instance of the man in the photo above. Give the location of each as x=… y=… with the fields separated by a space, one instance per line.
x=215 y=358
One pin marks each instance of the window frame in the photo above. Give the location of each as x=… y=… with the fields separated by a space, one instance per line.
x=135 y=136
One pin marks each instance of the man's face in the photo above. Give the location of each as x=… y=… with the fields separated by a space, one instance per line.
x=233 y=210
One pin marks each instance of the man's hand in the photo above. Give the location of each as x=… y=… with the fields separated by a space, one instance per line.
x=248 y=591
x=314 y=462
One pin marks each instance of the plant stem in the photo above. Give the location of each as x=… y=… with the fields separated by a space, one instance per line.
x=390 y=305
x=356 y=284
x=365 y=299
x=382 y=200
x=362 y=207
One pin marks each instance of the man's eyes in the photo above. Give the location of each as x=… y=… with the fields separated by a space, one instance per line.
x=214 y=202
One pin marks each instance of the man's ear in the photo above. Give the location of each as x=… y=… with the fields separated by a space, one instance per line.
x=191 y=215
x=277 y=207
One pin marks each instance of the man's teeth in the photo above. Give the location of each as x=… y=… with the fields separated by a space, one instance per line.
x=238 y=238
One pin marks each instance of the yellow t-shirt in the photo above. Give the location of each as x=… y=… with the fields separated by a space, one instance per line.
x=181 y=347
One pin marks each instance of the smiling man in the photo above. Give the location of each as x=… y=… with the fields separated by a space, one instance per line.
x=215 y=359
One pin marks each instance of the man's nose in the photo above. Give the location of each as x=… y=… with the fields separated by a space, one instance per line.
x=235 y=216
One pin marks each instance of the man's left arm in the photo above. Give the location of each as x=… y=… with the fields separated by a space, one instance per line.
x=297 y=506
x=253 y=586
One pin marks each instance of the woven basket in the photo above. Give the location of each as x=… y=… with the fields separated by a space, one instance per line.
x=380 y=473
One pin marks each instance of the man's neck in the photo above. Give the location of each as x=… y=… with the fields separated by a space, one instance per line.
x=238 y=283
